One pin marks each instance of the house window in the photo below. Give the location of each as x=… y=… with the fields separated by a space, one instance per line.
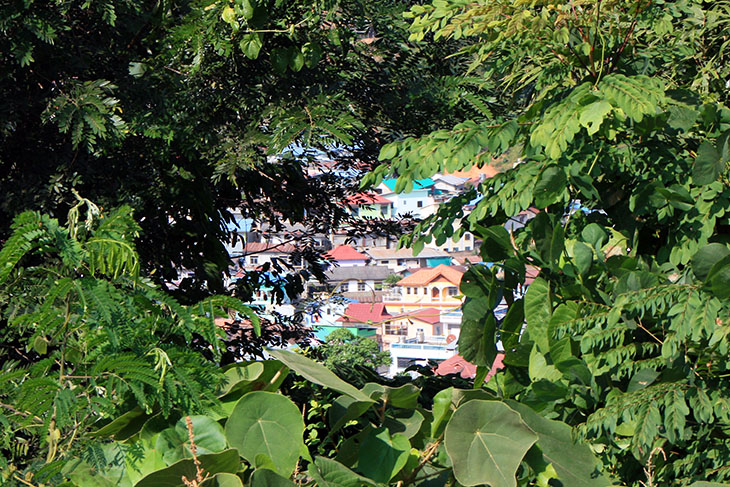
x=361 y=286
x=453 y=291
x=400 y=261
x=420 y=204
x=344 y=287
x=467 y=247
x=467 y=237
x=254 y=259
x=393 y=329
x=425 y=291
x=408 y=290
x=385 y=262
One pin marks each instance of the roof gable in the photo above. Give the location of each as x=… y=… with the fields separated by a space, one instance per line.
x=425 y=276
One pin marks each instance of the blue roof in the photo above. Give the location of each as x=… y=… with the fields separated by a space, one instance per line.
x=417 y=184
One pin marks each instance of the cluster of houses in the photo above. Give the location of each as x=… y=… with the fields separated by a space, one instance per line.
x=410 y=304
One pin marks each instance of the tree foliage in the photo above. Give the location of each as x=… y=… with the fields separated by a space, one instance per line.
x=186 y=110
x=343 y=349
x=619 y=112
x=380 y=435
x=89 y=338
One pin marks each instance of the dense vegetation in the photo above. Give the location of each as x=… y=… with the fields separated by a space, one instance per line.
x=617 y=111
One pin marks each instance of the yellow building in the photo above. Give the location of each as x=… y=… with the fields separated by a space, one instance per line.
x=436 y=287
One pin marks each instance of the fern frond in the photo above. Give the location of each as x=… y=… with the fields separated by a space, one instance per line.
x=26 y=229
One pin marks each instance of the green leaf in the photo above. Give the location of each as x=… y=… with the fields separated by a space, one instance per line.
x=240 y=375
x=247 y=9
x=720 y=282
x=270 y=424
x=708 y=164
x=331 y=473
x=223 y=480
x=229 y=16
x=312 y=53
x=344 y=409
x=251 y=45
x=382 y=456
x=317 y=373
x=592 y=115
x=112 y=475
x=583 y=257
x=226 y=462
x=574 y=462
x=407 y=423
x=595 y=235
x=296 y=59
x=682 y=118
x=486 y=441
x=280 y=59
x=263 y=477
x=405 y=396
x=707 y=257
x=441 y=411
x=174 y=443
x=125 y=426
x=551 y=184
x=511 y=328
x=538 y=310
x=477 y=340
x=496 y=243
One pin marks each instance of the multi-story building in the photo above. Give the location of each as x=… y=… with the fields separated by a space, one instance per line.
x=436 y=287
x=419 y=201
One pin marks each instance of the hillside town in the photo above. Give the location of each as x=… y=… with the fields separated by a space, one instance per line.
x=409 y=303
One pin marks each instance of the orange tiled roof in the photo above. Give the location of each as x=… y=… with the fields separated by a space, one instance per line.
x=424 y=276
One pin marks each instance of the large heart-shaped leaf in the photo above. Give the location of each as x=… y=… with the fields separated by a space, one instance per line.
x=269 y=424
x=574 y=462
x=382 y=456
x=486 y=441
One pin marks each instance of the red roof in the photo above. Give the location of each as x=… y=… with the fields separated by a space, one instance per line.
x=269 y=247
x=427 y=315
x=467 y=370
x=345 y=252
x=364 y=313
x=367 y=199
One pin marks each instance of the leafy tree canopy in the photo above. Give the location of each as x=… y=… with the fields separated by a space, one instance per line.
x=184 y=110
x=343 y=349
x=619 y=113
